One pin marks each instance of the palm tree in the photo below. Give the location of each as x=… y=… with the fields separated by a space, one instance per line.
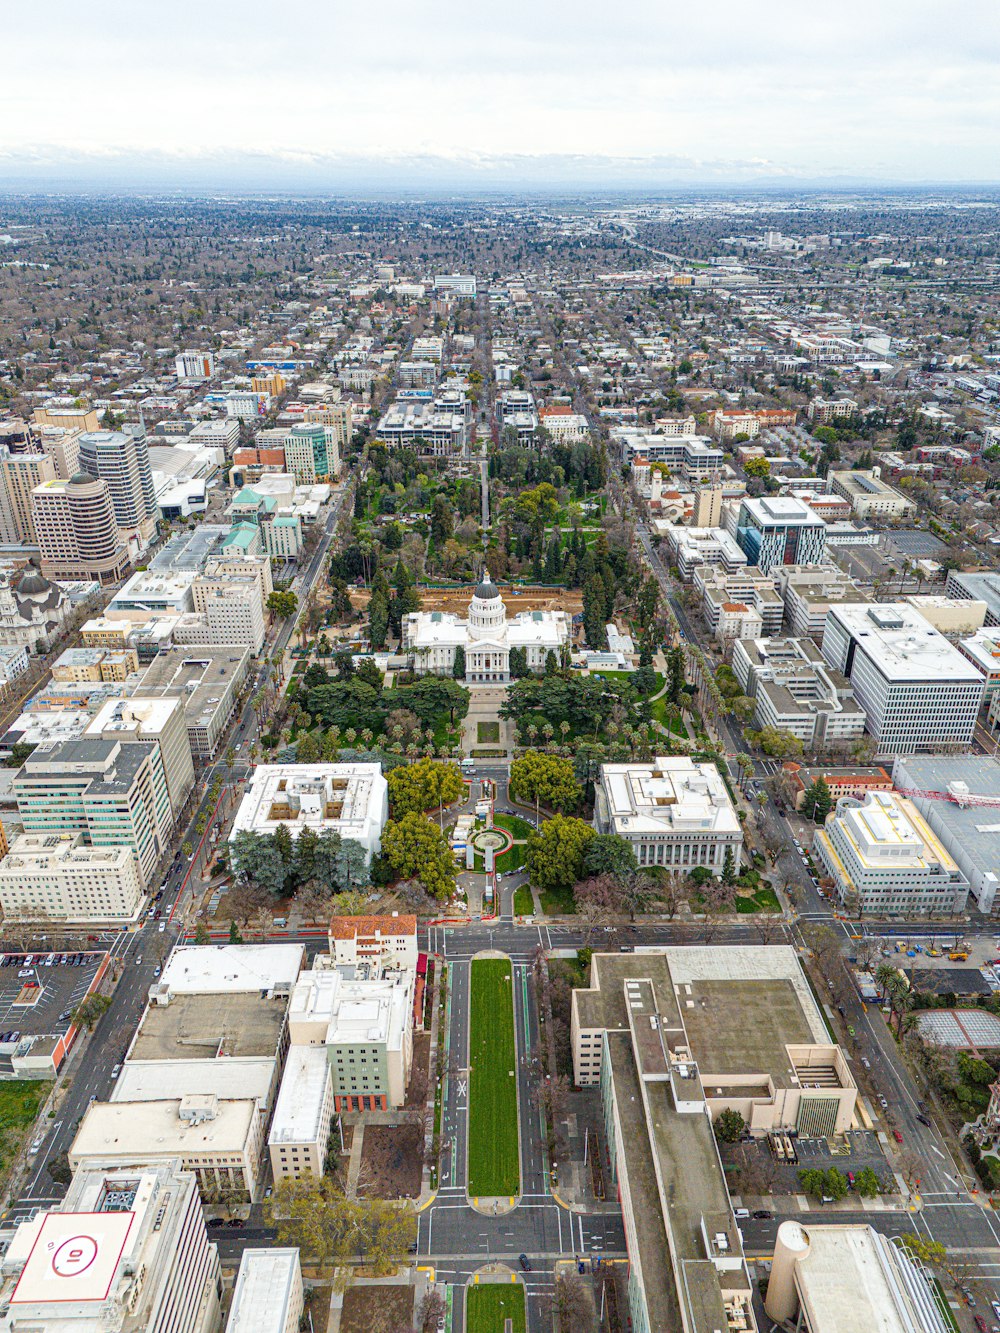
x=350 y=736
x=564 y=729
x=367 y=736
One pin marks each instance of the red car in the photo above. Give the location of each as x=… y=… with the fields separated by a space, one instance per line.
x=897 y=1136
x=981 y=1323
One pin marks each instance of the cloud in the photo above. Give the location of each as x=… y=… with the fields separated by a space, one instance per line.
x=888 y=89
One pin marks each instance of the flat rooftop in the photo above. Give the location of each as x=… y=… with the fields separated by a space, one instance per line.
x=299 y=1109
x=738 y=1027
x=206 y=1027
x=230 y=968
x=671 y=794
x=228 y=1078
x=265 y=1288
x=114 y=1129
x=903 y=644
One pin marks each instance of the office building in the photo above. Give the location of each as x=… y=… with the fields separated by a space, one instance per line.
x=694 y=546
x=950 y=616
x=112 y=792
x=983 y=651
x=195 y=366
x=363 y=1019
x=300 y=1129
x=918 y=692
x=797 y=692
x=431 y=427
x=221 y=1142
x=232 y=604
x=982 y=586
x=311 y=453
x=737 y=620
x=160 y=721
x=77 y=530
x=748 y=586
x=849 y=780
x=958 y=796
x=675 y=813
x=696 y=456
x=779 y=530
x=707 y=511
x=67 y=413
x=121 y=459
x=125 y=1252
x=674 y=1036
x=268 y=1296
x=870 y=496
x=455 y=284
x=62 y=446
x=57 y=877
x=19 y=475
x=208 y=679
x=809 y=591
x=882 y=857
x=338 y=418
x=385 y=941
x=848 y=1277
x=349 y=799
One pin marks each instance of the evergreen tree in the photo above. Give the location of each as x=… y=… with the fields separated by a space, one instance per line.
x=458 y=666
x=818 y=801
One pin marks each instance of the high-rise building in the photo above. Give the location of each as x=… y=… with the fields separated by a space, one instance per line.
x=121 y=458
x=194 y=365
x=707 y=507
x=77 y=530
x=62 y=444
x=917 y=690
x=779 y=530
x=45 y=876
x=159 y=720
x=125 y=1252
x=19 y=475
x=113 y=792
x=311 y=453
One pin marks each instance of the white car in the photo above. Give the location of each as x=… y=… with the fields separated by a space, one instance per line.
x=866 y=1062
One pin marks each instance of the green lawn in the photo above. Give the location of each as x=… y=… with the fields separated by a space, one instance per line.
x=494 y=1164
x=524 y=903
x=512 y=859
x=487 y=733
x=19 y=1103
x=557 y=902
x=489 y=1305
x=518 y=828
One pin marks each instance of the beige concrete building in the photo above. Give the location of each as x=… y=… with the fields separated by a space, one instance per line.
x=67 y=414
x=303 y=1113
x=19 y=475
x=95 y=664
x=951 y=616
x=207 y=678
x=47 y=876
x=62 y=444
x=870 y=496
x=850 y=1278
x=221 y=1142
x=77 y=531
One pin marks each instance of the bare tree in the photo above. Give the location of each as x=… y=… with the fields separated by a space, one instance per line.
x=431 y=1311
x=572 y=1305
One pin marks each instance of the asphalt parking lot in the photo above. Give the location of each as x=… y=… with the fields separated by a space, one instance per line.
x=856 y=1150
x=35 y=995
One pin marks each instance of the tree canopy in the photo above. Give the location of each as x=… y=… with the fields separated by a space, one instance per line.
x=555 y=852
x=424 y=785
x=414 y=848
x=545 y=779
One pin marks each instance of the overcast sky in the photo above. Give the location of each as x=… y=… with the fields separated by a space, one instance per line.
x=700 y=91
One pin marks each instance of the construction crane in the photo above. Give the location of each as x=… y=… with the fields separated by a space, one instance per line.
x=960 y=796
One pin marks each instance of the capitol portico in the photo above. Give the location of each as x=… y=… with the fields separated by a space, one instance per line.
x=431 y=638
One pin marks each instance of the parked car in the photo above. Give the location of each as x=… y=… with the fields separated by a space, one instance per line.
x=897 y=1136
x=762 y=1214
x=525 y=1262
x=866 y=1062
x=924 y=1121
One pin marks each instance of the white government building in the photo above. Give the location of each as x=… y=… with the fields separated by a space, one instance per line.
x=350 y=799
x=431 y=638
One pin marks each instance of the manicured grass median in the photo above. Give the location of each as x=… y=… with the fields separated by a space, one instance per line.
x=490 y=1304
x=524 y=904
x=494 y=1167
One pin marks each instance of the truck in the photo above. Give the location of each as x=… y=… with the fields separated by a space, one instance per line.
x=959 y=956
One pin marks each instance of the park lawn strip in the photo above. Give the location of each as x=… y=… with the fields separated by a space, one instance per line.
x=494 y=1155
x=490 y=1304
